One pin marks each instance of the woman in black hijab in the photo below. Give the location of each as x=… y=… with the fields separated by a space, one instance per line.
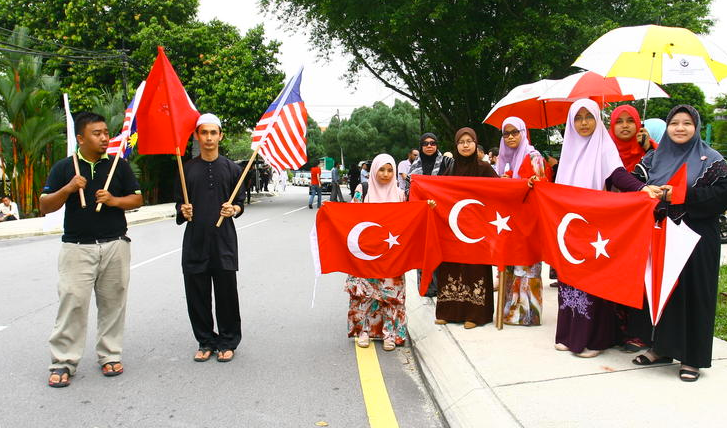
x=687 y=324
x=465 y=291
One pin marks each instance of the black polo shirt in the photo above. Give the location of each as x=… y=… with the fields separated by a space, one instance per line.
x=86 y=224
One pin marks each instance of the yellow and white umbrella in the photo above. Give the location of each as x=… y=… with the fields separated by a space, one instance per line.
x=652 y=52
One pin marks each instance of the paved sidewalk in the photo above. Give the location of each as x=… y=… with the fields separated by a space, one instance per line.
x=515 y=378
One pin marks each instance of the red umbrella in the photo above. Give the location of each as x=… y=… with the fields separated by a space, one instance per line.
x=601 y=89
x=523 y=102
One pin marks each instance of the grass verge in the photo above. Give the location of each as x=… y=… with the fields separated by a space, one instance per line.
x=720 y=327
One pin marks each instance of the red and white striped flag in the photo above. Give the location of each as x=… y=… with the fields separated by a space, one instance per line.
x=118 y=144
x=281 y=131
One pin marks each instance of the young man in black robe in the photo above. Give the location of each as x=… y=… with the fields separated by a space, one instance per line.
x=209 y=253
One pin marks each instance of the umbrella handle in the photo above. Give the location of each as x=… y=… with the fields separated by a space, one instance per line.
x=648 y=84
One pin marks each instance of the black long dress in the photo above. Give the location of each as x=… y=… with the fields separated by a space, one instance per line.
x=687 y=324
x=465 y=292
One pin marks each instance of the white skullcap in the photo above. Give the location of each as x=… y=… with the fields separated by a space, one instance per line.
x=209 y=119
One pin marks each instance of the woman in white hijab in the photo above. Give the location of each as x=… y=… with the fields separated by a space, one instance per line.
x=376 y=306
x=590 y=159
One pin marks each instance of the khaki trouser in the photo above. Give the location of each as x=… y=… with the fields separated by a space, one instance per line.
x=82 y=268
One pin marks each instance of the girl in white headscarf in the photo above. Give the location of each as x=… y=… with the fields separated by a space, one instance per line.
x=376 y=306
x=589 y=159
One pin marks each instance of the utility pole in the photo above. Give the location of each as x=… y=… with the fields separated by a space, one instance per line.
x=124 y=71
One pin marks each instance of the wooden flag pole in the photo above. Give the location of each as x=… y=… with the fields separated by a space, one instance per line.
x=78 y=172
x=239 y=182
x=111 y=175
x=181 y=177
x=500 y=298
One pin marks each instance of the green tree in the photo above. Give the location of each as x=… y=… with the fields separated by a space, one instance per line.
x=30 y=121
x=457 y=59
x=679 y=93
x=373 y=130
x=233 y=76
x=111 y=106
x=91 y=37
x=236 y=146
x=719 y=127
x=314 y=144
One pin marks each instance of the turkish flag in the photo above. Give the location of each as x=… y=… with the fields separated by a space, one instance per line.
x=526 y=168
x=678 y=181
x=376 y=240
x=482 y=220
x=166 y=116
x=597 y=241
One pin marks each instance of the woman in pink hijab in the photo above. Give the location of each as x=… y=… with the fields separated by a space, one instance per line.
x=523 y=286
x=376 y=305
x=589 y=159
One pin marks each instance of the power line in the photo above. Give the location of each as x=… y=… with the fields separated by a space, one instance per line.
x=35 y=39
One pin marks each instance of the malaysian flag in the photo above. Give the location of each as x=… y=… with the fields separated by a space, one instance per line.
x=128 y=128
x=281 y=131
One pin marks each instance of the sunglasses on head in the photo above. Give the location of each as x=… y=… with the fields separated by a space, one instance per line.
x=514 y=133
x=429 y=143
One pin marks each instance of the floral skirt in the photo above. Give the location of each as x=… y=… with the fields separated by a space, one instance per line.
x=377 y=307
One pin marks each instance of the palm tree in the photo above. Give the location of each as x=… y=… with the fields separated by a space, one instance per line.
x=32 y=120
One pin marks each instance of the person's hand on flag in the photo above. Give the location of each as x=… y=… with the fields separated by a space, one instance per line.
x=186 y=211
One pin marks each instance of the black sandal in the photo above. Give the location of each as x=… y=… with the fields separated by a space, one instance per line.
x=221 y=355
x=108 y=369
x=204 y=351
x=688 y=375
x=643 y=360
x=61 y=383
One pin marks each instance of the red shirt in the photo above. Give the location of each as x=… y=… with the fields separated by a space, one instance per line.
x=315 y=176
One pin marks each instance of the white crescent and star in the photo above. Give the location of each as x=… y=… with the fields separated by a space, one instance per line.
x=599 y=244
x=353 y=240
x=500 y=222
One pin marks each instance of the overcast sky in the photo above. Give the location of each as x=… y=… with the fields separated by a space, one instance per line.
x=323 y=88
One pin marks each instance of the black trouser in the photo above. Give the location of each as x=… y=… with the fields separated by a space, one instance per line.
x=198 y=288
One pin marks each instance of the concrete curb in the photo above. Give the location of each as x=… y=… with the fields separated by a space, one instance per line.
x=464 y=397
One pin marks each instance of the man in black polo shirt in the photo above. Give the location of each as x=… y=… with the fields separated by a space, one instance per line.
x=94 y=254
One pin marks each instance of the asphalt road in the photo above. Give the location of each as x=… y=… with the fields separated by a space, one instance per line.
x=295 y=366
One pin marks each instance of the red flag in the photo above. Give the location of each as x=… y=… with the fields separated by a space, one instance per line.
x=679 y=185
x=166 y=116
x=482 y=220
x=376 y=240
x=526 y=168
x=597 y=241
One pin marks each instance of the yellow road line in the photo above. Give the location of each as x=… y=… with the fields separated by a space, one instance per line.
x=378 y=405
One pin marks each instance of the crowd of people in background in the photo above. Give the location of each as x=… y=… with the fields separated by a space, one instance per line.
x=625 y=156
